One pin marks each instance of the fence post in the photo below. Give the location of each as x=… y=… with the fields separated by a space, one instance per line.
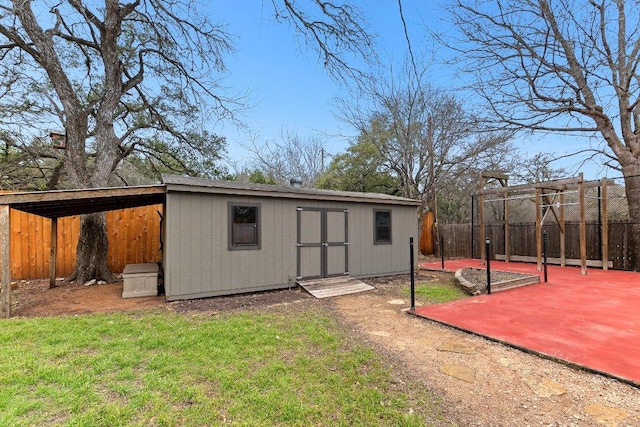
x=442 y=251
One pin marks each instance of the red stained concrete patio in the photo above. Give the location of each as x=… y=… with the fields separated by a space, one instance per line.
x=592 y=321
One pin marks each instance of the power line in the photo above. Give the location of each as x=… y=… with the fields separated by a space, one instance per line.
x=406 y=36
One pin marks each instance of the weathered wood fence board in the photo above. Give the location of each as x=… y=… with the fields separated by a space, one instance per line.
x=427 y=235
x=457 y=241
x=134 y=237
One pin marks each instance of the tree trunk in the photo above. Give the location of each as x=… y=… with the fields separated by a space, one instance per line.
x=91 y=258
x=631 y=174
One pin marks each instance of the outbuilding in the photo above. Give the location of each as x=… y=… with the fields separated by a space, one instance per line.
x=224 y=237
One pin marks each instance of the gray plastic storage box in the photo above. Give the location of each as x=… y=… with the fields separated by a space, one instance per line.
x=140 y=280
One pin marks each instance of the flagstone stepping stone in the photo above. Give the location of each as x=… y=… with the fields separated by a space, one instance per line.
x=460 y=372
x=605 y=415
x=545 y=388
x=455 y=346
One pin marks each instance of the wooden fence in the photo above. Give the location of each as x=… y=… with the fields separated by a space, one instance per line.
x=457 y=239
x=134 y=237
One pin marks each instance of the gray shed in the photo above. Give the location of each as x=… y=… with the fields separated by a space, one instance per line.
x=223 y=237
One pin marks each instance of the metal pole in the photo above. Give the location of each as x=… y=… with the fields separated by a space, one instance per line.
x=544 y=253
x=413 y=283
x=487 y=248
x=442 y=251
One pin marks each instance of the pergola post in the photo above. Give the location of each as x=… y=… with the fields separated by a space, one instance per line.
x=507 y=238
x=5 y=254
x=556 y=188
x=605 y=226
x=53 y=252
x=583 y=227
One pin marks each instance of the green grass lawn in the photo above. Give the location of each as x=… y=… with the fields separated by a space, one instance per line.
x=437 y=292
x=166 y=369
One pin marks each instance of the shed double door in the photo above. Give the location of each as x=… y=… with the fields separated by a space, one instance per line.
x=322 y=242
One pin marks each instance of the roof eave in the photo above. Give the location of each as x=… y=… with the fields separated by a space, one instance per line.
x=277 y=192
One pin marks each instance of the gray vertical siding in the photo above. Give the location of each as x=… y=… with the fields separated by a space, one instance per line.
x=198 y=263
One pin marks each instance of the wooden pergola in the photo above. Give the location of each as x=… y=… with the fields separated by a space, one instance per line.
x=58 y=204
x=550 y=196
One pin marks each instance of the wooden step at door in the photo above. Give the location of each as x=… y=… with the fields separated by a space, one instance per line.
x=334 y=286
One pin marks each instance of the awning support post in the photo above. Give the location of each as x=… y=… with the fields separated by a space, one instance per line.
x=5 y=254
x=53 y=252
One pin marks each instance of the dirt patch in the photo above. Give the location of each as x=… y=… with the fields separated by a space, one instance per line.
x=34 y=298
x=478 y=382
x=243 y=302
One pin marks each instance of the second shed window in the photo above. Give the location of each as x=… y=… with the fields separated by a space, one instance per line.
x=382 y=226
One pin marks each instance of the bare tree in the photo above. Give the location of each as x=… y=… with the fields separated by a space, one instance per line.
x=293 y=157
x=561 y=66
x=134 y=77
x=424 y=134
x=335 y=30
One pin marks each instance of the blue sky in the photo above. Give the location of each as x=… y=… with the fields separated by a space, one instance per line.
x=289 y=89
x=291 y=92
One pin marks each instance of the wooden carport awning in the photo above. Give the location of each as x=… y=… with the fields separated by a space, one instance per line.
x=62 y=203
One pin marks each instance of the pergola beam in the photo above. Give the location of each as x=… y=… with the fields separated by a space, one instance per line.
x=557 y=185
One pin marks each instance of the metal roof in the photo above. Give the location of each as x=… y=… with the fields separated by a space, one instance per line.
x=189 y=184
x=61 y=203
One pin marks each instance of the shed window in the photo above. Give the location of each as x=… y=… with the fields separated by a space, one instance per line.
x=382 y=226
x=244 y=226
